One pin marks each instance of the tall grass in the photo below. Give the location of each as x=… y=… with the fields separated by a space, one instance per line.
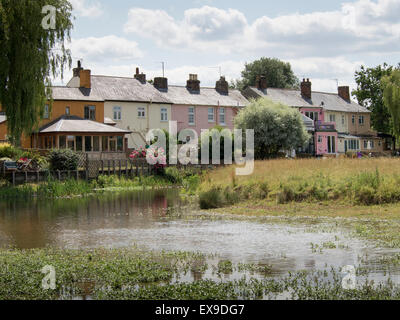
x=189 y=180
x=365 y=182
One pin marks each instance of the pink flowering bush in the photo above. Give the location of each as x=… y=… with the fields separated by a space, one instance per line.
x=154 y=155
x=138 y=154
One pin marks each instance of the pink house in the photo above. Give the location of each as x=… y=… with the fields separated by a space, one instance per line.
x=201 y=108
x=325 y=135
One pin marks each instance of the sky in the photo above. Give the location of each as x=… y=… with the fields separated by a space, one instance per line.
x=326 y=41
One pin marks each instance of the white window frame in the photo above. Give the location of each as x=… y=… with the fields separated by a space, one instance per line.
x=353 y=119
x=191 y=113
x=117 y=113
x=211 y=113
x=343 y=120
x=164 y=114
x=141 y=112
x=222 y=116
x=332 y=118
x=67 y=110
x=361 y=120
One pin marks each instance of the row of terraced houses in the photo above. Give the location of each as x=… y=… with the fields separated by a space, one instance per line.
x=95 y=113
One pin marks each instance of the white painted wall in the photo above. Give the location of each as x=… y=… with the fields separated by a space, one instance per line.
x=139 y=126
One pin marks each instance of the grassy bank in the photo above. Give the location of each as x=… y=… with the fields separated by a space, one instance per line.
x=281 y=183
x=189 y=180
x=135 y=274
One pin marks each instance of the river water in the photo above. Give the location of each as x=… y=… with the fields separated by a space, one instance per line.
x=163 y=220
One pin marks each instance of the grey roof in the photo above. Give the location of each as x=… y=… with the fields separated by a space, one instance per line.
x=3 y=118
x=75 y=124
x=293 y=98
x=348 y=136
x=205 y=97
x=106 y=88
x=126 y=89
x=72 y=94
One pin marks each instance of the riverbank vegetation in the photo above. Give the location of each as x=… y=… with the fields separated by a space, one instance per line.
x=141 y=275
x=172 y=177
x=281 y=183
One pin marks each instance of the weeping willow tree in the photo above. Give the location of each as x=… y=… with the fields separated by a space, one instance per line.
x=33 y=34
x=391 y=98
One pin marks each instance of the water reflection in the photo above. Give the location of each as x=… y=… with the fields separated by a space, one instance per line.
x=38 y=223
x=158 y=220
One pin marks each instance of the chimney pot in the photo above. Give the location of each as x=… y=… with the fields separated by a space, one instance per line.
x=193 y=84
x=161 y=83
x=85 y=79
x=306 y=91
x=140 y=76
x=78 y=69
x=261 y=83
x=222 y=86
x=344 y=93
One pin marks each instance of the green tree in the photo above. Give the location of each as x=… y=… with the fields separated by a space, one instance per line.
x=391 y=98
x=279 y=74
x=276 y=127
x=31 y=53
x=369 y=94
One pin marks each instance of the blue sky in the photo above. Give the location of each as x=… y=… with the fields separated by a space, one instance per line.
x=323 y=40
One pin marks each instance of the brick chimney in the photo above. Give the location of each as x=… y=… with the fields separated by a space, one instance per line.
x=140 y=76
x=344 y=93
x=193 y=84
x=85 y=79
x=222 y=86
x=76 y=71
x=261 y=83
x=161 y=83
x=306 y=89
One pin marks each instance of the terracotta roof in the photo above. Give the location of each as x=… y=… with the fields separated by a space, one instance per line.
x=76 y=124
x=293 y=98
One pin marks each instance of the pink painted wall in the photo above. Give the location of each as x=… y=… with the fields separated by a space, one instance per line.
x=322 y=147
x=321 y=115
x=180 y=113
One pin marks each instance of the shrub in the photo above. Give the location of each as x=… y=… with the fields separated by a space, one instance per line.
x=211 y=199
x=63 y=159
x=9 y=151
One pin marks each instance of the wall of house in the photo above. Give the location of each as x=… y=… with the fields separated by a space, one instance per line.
x=77 y=108
x=356 y=128
x=378 y=145
x=3 y=131
x=131 y=121
x=322 y=147
x=321 y=112
x=180 y=113
x=341 y=120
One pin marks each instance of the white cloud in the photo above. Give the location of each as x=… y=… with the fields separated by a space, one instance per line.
x=105 y=48
x=356 y=27
x=86 y=8
x=199 y=28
